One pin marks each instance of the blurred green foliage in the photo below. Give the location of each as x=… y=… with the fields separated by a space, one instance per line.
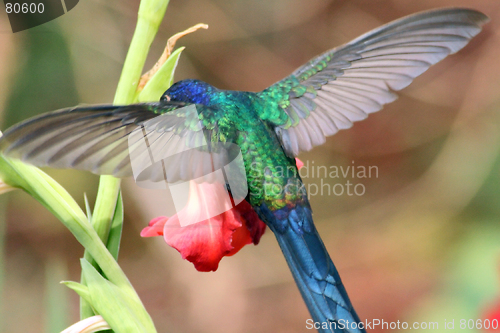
x=421 y=245
x=44 y=78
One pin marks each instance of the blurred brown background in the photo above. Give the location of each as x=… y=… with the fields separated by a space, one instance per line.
x=422 y=244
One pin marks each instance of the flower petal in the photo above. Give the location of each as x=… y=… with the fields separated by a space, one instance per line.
x=205 y=240
x=492 y=314
x=252 y=221
x=299 y=163
x=155 y=227
x=204 y=243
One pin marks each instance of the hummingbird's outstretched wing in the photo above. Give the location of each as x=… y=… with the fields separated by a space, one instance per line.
x=165 y=140
x=347 y=83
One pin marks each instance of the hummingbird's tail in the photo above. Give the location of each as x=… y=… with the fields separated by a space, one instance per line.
x=313 y=270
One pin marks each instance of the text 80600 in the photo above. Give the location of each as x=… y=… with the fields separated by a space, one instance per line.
x=24 y=8
x=479 y=324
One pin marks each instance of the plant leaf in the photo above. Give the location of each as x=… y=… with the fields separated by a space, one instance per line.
x=122 y=312
x=161 y=80
x=80 y=289
x=87 y=207
x=115 y=233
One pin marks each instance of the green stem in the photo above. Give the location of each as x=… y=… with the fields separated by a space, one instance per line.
x=58 y=201
x=104 y=210
x=150 y=15
x=55 y=198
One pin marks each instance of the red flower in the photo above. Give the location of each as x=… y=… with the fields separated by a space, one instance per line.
x=205 y=243
x=299 y=163
x=492 y=318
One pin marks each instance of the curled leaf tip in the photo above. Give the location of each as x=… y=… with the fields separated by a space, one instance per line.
x=172 y=40
x=167 y=52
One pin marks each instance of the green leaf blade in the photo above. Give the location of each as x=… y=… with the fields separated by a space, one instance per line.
x=161 y=80
x=122 y=312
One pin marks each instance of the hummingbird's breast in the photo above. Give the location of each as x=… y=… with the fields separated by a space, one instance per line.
x=272 y=176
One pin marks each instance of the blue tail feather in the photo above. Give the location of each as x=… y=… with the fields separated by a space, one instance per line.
x=313 y=270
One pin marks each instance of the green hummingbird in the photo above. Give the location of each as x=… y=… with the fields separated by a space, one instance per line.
x=195 y=127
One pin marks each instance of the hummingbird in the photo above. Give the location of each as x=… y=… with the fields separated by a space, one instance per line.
x=269 y=128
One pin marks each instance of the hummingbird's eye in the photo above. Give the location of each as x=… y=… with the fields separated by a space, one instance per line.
x=166 y=98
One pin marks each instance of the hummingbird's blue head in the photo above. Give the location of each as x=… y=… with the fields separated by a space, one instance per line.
x=189 y=91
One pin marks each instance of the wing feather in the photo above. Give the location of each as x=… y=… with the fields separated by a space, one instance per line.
x=164 y=138
x=347 y=83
